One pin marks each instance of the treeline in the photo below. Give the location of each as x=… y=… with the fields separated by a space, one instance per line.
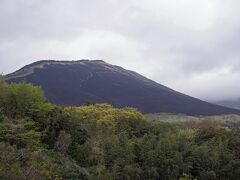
x=39 y=140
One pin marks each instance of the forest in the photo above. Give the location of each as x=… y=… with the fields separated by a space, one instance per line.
x=40 y=140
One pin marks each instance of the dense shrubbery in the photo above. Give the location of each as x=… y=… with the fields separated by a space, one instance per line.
x=39 y=140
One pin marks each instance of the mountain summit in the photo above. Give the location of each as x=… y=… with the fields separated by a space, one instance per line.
x=77 y=82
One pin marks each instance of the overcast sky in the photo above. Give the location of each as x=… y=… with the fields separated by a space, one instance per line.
x=191 y=46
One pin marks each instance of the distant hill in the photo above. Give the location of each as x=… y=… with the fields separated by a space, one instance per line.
x=77 y=82
x=230 y=103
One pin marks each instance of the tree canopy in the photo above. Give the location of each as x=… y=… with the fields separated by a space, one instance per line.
x=39 y=140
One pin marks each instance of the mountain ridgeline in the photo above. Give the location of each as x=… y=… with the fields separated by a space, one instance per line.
x=74 y=83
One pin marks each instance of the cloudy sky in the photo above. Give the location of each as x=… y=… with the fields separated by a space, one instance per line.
x=191 y=46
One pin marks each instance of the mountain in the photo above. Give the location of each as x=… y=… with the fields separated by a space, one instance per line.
x=77 y=82
x=230 y=103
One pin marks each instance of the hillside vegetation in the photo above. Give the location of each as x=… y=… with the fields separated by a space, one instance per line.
x=39 y=140
x=229 y=120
